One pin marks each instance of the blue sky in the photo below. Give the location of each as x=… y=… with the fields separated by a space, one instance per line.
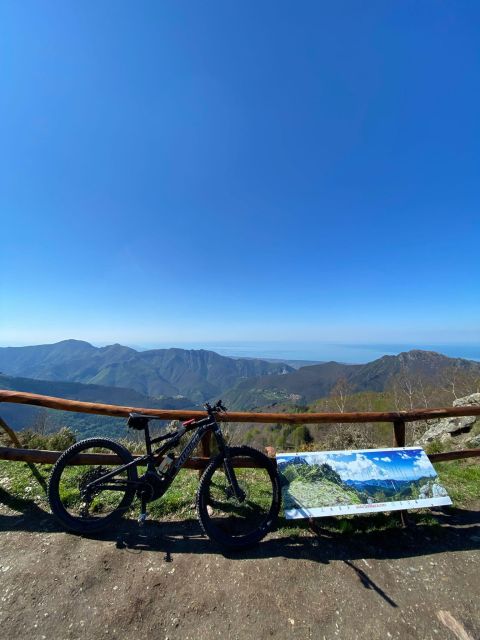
x=186 y=171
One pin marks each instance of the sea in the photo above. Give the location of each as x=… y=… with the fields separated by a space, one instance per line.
x=321 y=351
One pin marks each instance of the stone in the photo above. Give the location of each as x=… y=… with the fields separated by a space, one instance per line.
x=447 y=428
x=473 y=398
x=473 y=443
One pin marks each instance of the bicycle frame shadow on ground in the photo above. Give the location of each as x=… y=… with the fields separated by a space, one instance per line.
x=452 y=529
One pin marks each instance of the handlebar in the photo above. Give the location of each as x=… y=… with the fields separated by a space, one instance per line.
x=218 y=407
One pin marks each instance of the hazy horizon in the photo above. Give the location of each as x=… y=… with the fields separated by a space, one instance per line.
x=349 y=353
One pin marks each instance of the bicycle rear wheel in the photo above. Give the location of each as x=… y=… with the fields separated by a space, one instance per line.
x=235 y=524
x=84 y=509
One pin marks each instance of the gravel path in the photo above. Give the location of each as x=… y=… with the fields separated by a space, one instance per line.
x=421 y=582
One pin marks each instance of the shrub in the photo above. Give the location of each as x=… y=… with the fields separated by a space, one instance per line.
x=58 y=441
x=62 y=439
x=350 y=436
x=436 y=447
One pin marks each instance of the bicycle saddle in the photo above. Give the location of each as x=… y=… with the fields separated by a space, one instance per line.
x=139 y=421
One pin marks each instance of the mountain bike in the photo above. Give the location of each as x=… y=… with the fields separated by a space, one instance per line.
x=237 y=501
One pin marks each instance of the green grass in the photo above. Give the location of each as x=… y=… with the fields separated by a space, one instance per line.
x=461 y=478
x=19 y=488
x=179 y=500
x=17 y=479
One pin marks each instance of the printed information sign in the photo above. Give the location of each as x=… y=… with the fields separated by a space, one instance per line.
x=333 y=483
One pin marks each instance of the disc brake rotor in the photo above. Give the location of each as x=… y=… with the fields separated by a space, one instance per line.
x=88 y=493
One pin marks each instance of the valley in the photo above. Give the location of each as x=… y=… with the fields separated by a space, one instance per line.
x=184 y=379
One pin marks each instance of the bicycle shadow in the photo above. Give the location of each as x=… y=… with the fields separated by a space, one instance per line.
x=453 y=529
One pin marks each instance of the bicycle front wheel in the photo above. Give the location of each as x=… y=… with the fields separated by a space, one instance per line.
x=85 y=508
x=234 y=523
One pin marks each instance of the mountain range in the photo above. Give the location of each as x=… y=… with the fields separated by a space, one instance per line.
x=19 y=415
x=195 y=374
x=179 y=378
x=307 y=384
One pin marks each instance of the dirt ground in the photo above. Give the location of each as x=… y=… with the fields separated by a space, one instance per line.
x=419 y=582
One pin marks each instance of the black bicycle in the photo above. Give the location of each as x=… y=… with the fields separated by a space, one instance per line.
x=238 y=497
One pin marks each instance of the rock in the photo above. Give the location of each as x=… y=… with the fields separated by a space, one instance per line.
x=474 y=442
x=473 y=398
x=444 y=429
x=447 y=428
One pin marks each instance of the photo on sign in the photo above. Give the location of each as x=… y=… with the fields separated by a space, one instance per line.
x=326 y=483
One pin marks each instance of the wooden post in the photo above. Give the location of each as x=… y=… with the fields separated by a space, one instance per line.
x=399 y=433
x=399 y=441
x=10 y=433
x=13 y=437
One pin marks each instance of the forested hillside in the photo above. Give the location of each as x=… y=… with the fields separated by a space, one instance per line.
x=197 y=374
x=308 y=384
x=411 y=379
x=26 y=416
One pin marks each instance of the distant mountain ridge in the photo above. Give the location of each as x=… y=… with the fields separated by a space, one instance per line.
x=19 y=416
x=310 y=383
x=92 y=393
x=196 y=374
x=199 y=375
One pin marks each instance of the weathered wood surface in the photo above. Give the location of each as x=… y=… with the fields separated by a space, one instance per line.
x=50 y=457
x=10 y=433
x=454 y=455
x=399 y=438
x=399 y=433
x=21 y=397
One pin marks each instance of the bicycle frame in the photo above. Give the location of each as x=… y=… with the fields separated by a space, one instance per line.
x=201 y=428
x=236 y=507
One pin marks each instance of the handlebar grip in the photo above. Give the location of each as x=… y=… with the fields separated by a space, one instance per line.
x=218 y=406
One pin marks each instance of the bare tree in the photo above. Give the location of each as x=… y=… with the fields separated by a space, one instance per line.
x=340 y=393
x=410 y=391
x=458 y=382
x=42 y=422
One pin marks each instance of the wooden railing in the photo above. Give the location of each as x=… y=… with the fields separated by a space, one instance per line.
x=397 y=418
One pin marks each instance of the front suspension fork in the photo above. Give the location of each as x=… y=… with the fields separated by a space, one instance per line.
x=237 y=491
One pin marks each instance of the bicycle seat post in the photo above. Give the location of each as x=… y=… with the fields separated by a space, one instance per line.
x=148 y=444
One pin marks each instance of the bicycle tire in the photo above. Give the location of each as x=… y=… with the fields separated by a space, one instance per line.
x=64 y=487
x=229 y=523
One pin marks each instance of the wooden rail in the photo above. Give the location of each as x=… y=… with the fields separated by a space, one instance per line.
x=40 y=456
x=117 y=411
x=397 y=418
x=454 y=455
